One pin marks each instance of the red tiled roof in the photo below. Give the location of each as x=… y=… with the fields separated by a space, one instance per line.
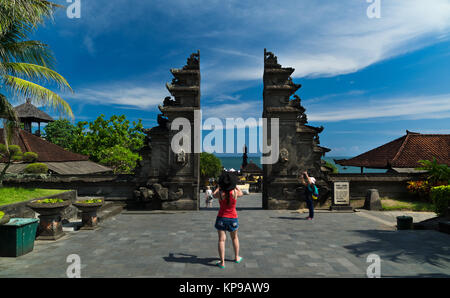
x=404 y=152
x=47 y=152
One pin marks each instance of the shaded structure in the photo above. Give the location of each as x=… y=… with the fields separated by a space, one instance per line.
x=252 y=169
x=57 y=159
x=298 y=144
x=29 y=114
x=170 y=181
x=402 y=155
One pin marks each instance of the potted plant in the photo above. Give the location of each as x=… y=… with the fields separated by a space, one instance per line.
x=89 y=210
x=4 y=218
x=50 y=215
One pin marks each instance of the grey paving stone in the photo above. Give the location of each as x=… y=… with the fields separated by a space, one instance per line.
x=273 y=243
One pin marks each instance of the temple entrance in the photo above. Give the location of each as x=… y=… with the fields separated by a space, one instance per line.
x=172 y=177
x=298 y=143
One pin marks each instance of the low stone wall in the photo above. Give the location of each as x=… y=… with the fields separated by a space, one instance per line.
x=21 y=210
x=388 y=185
x=114 y=187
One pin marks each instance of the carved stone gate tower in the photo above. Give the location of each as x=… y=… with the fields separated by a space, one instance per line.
x=299 y=148
x=172 y=179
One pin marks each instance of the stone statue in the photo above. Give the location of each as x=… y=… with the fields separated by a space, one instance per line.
x=168 y=101
x=284 y=155
x=181 y=157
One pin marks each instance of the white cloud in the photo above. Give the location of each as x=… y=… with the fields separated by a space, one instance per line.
x=247 y=109
x=318 y=38
x=122 y=93
x=420 y=107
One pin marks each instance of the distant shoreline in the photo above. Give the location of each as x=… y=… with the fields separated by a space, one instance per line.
x=234 y=161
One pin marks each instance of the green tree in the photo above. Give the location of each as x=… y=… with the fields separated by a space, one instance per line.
x=114 y=142
x=436 y=172
x=210 y=166
x=333 y=167
x=61 y=132
x=122 y=160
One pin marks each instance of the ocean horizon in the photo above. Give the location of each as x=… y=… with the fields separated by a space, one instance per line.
x=234 y=162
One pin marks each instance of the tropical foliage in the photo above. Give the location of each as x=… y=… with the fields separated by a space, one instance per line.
x=90 y=201
x=26 y=63
x=420 y=188
x=36 y=168
x=210 y=166
x=441 y=199
x=30 y=157
x=334 y=169
x=115 y=142
x=437 y=173
x=49 y=201
x=60 y=132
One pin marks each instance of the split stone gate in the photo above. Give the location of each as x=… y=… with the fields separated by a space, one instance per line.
x=170 y=181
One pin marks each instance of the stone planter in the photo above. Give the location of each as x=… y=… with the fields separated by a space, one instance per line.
x=50 y=216
x=4 y=220
x=89 y=211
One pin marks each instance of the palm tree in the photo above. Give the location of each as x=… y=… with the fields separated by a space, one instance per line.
x=25 y=64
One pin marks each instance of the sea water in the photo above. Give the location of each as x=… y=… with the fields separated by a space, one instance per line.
x=235 y=162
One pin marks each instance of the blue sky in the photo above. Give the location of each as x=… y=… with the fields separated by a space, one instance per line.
x=365 y=80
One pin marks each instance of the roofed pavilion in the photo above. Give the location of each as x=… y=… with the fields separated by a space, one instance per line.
x=403 y=154
x=28 y=114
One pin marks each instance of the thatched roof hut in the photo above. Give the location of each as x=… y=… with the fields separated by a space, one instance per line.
x=28 y=114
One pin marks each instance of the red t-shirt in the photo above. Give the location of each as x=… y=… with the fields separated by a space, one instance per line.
x=228 y=210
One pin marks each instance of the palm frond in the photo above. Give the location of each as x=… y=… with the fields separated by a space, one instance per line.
x=28 y=12
x=38 y=93
x=30 y=51
x=35 y=73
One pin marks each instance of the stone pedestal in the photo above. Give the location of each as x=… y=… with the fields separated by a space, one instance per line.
x=50 y=227
x=50 y=219
x=89 y=218
x=372 y=201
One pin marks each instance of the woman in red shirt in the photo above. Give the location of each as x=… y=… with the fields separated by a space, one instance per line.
x=227 y=218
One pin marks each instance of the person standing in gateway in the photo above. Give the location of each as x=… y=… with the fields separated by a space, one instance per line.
x=208 y=197
x=227 y=218
x=309 y=182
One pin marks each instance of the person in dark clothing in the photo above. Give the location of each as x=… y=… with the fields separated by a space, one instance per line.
x=309 y=183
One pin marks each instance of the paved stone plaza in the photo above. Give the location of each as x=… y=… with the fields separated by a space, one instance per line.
x=273 y=244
